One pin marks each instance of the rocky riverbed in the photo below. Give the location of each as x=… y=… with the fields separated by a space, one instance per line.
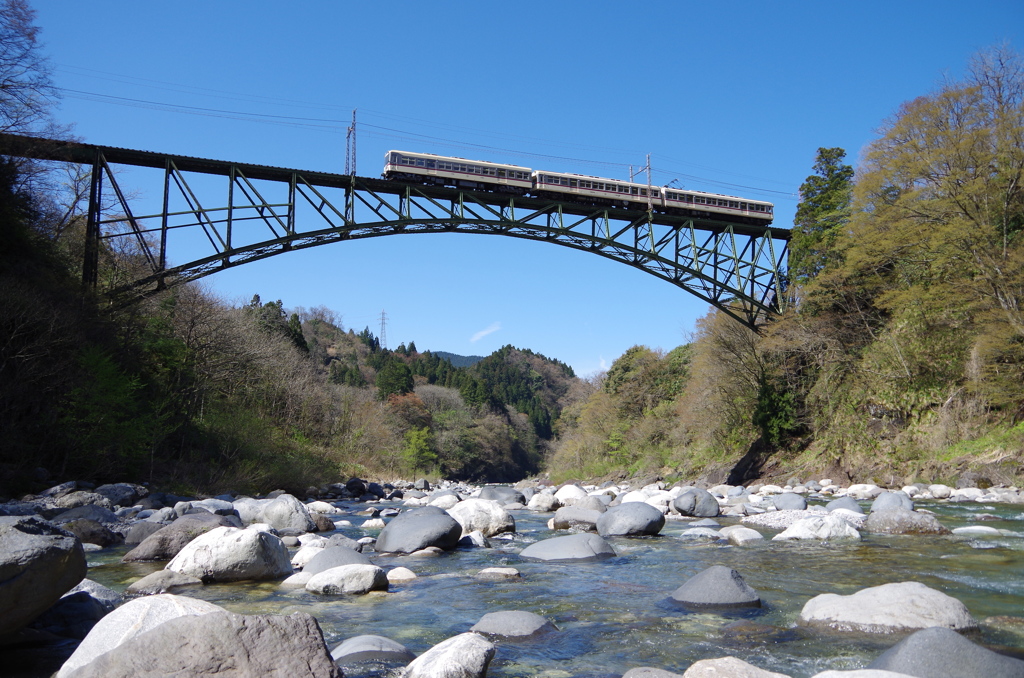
x=805 y=579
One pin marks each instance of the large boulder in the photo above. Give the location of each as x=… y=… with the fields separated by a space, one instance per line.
x=827 y=527
x=483 y=515
x=334 y=556
x=941 y=653
x=161 y=581
x=223 y=644
x=502 y=495
x=567 y=495
x=233 y=554
x=570 y=517
x=633 y=519
x=39 y=563
x=848 y=503
x=789 y=501
x=728 y=667
x=78 y=610
x=165 y=543
x=464 y=656
x=86 y=512
x=288 y=513
x=891 y=500
x=122 y=494
x=132 y=619
x=138 y=532
x=543 y=502
x=512 y=624
x=82 y=498
x=417 y=529
x=901 y=606
x=371 y=648
x=716 y=587
x=902 y=521
x=92 y=532
x=574 y=547
x=697 y=502
x=357 y=578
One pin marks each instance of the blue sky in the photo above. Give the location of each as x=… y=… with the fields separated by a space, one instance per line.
x=731 y=97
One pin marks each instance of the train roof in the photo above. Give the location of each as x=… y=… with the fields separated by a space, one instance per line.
x=456 y=158
x=644 y=185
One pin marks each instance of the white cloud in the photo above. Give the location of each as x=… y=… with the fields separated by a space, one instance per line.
x=493 y=327
x=604 y=363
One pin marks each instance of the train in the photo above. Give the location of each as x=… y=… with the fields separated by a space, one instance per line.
x=439 y=170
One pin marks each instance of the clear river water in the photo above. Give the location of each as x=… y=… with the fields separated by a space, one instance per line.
x=614 y=615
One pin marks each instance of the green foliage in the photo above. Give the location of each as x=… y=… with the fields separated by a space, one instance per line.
x=395 y=378
x=821 y=215
x=418 y=450
x=775 y=413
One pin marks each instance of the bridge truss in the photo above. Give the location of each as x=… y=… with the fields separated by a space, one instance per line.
x=224 y=214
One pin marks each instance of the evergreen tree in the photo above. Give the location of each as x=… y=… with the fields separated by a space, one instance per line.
x=395 y=378
x=823 y=212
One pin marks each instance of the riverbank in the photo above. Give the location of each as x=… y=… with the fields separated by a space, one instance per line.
x=614 y=614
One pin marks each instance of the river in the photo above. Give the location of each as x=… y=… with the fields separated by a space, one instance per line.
x=613 y=615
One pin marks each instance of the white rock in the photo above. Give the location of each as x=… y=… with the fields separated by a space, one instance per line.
x=864 y=491
x=820 y=528
x=445 y=501
x=728 y=667
x=464 y=656
x=855 y=519
x=305 y=554
x=569 y=494
x=288 y=513
x=310 y=539
x=739 y=535
x=373 y=524
x=977 y=529
x=297 y=580
x=767 y=490
x=322 y=507
x=401 y=574
x=482 y=515
x=901 y=606
x=132 y=619
x=231 y=554
x=544 y=502
x=355 y=578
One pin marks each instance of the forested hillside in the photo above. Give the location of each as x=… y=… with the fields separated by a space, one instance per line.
x=900 y=355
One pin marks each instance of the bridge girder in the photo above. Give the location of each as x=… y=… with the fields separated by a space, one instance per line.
x=736 y=267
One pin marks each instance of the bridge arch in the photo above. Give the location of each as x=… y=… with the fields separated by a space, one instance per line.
x=737 y=268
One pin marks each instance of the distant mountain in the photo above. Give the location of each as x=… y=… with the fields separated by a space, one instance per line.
x=458 y=360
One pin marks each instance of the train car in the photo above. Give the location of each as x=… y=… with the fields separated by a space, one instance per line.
x=594 y=190
x=597 y=190
x=442 y=170
x=427 y=168
x=698 y=203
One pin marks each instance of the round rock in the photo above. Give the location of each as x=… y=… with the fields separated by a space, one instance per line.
x=633 y=519
x=716 y=587
x=356 y=579
x=371 y=648
x=901 y=606
x=574 y=547
x=942 y=653
x=512 y=624
x=697 y=502
x=417 y=529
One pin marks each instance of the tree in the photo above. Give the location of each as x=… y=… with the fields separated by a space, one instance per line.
x=26 y=93
x=823 y=212
x=418 y=451
x=395 y=378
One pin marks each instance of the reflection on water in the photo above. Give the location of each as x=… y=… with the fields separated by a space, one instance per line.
x=613 y=615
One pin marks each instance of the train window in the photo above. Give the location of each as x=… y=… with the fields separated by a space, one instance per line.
x=572 y=183
x=733 y=204
x=655 y=192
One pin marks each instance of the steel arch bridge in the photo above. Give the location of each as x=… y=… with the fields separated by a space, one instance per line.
x=260 y=212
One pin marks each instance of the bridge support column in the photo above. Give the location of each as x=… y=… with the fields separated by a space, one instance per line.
x=91 y=258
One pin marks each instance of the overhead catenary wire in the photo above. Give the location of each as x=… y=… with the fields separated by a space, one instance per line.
x=339 y=125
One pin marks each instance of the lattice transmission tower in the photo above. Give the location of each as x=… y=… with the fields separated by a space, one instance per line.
x=350 y=147
x=383 y=329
